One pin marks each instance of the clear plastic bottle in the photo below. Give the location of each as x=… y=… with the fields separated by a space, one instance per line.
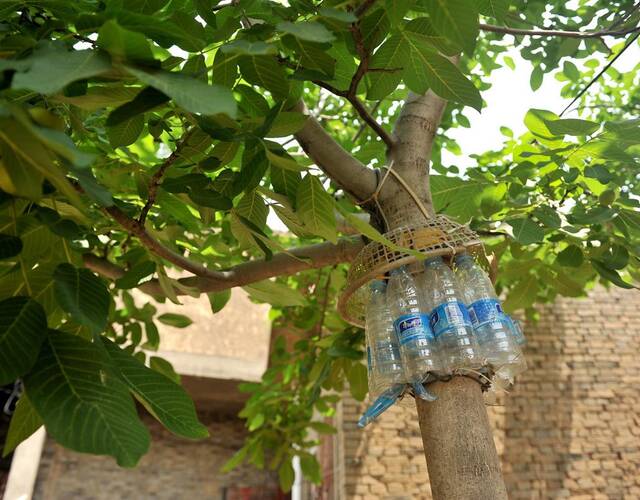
x=491 y=325
x=417 y=344
x=383 y=351
x=516 y=331
x=449 y=318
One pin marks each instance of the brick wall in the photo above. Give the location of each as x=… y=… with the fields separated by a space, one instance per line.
x=175 y=468
x=569 y=429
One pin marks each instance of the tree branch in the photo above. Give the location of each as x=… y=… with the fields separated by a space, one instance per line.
x=351 y=175
x=567 y=34
x=362 y=111
x=414 y=131
x=135 y=228
x=281 y=264
x=157 y=177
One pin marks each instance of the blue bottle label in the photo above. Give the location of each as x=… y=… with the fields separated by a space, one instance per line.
x=486 y=310
x=447 y=316
x=411 y=327
x=369 y=364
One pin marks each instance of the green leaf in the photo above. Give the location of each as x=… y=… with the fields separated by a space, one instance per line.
x=51 y=68
x=252 y=207
x=309 y=30
x=218 y=300
x=266 y=72
x=536 y=120
x=124 y=44
x=571 y=256
x=610 y=274
x=526 y=231
x=286 y=475
x=312 y=55
x=137 y=273
x=225 y=69
x=357 y=377
x=548 y=216
x=127 y=132
x=235 y=460
x=615 y=257
x=162 y=366
x=17 y=176
x=311 y=468
x=388 y=59
x=285 y=181
x=316 y=208
x=162 y=397
x=24 y=422
x=599 y=172
x=83 y=295
x=323 y=428
x=457 y=20
x=523 y=294
x=457 y=197
x=10 y=246
x=493 y=8
x=83 y=403
x=147 y=99
x=23 y=326
x=275 y=293
x=246 y=48
x=175 y=320
x=426 y=69
x=537 y=76
x=32 y=156
x=189 y=93
x=256 y=422
x=571 y=71
x=571 y=126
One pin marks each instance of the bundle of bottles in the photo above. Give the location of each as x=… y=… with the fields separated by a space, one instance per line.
x=436 y=322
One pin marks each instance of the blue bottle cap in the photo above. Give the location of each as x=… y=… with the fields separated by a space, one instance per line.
x=378 y=286
x=461 y=258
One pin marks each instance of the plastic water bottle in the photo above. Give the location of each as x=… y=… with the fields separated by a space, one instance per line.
x=381 y=404
x=417 y=344
x=449 y=318
x=383 y=351
x=516 y=331
x=491 y=325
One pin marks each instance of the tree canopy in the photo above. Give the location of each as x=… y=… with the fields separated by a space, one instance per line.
x=146 y=136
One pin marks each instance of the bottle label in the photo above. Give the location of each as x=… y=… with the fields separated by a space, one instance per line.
x=447 y=316
x=486 y=310
x=369 y=364
x=411 y=327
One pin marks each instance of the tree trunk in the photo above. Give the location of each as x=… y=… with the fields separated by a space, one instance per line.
x=458 y=443
x=458 y=440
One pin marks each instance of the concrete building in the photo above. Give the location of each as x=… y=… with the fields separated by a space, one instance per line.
x=569 y=429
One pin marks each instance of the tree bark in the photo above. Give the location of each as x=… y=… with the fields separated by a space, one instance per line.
x=458 y=443
x=458 y=440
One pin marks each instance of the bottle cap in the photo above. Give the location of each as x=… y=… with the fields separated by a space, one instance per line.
x=398 y=270
x=378 y=286
x=433 y=261
x=462 y=258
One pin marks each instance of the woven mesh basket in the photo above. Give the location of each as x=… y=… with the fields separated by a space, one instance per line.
x=439 y=236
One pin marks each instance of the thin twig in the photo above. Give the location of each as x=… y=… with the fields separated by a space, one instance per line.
x=135 y=228
x=602 y=72
x=561 y=33
x=157 y=178
x=364 y=7
x=364 y=125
